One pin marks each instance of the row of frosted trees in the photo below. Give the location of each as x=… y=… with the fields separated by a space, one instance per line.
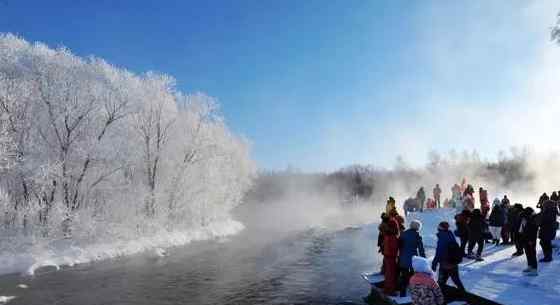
x=92 y=150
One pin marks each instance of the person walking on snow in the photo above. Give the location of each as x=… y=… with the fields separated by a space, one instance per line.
x=423 y=289
x=462 y=223
x=476 y=235
x=446 y=258
x=528 y=234
x=496 y=221
x=437 y=196
x=410 y=244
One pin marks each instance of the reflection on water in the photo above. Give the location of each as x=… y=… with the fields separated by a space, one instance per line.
x=311 y=267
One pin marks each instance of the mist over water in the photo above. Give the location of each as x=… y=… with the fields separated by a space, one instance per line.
x=118 y=188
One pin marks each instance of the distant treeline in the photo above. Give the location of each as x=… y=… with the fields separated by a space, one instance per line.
x=511 y=172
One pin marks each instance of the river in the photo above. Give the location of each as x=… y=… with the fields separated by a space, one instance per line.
x=312 y=266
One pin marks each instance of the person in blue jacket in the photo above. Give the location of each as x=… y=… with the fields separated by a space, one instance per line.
x=447 y=268
x=410 y=244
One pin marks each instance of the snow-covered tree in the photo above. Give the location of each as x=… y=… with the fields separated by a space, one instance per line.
x=98 y=151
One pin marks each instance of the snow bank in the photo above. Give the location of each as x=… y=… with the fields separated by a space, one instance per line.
x=430 y=220
x=67 y=253
x=499 y=277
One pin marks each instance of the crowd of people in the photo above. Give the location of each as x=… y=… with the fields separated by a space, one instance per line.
x=404 y=258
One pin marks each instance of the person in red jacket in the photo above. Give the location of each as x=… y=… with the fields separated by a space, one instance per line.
x=390 y=231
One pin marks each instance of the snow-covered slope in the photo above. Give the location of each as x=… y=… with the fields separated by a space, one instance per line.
x=499 y=277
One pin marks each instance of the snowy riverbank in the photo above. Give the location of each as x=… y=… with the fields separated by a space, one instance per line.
x=499 y=277
x=66 y=252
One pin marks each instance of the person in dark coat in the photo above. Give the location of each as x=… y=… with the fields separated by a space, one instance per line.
x=496 y=222
x=484 y=203
x=554 y=196
x=410 y=244
x=462 y=223
x=514 y=218
x=528 y=230
x=447 y=269
x=506 y=231
x=477 y=227
x=547 y=228
x=505 y=201
x=544 y=197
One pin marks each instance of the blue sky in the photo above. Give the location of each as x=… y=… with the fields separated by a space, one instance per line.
x=323 y=84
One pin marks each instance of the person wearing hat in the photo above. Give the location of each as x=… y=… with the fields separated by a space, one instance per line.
x=447 y=268
x=410 y=244
x=423 y=289
x=391 y=205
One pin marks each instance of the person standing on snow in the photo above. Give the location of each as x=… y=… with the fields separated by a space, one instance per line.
x=463 y=186
x=476 y=235
x=384 y=222
x=462 y=223
x=410 y=244
x=547 y=228
x=554 y=197
x=544 y=197
x=468 y=198
x=528 y=234
x=390 y=231
x=514 y=219
x=437 y=196
x=505 y=201
x=506 y=231
x=484 y=203
x=496 y=221
x=423 y=289
x=447 y=258
x=421 y=197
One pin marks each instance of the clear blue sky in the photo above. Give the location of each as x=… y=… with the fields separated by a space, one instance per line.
x=323 y=84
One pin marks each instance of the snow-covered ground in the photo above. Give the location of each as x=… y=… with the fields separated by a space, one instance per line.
x=65 y=253
x=499 y=277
